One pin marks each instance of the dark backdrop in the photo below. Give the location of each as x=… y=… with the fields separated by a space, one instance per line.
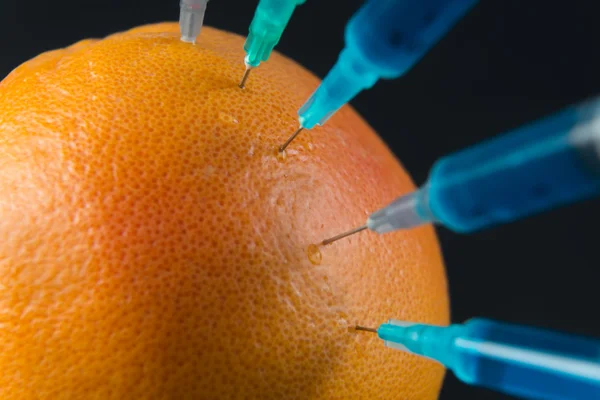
x=506 y=63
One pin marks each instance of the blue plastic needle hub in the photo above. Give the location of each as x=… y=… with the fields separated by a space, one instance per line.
x=270 y=20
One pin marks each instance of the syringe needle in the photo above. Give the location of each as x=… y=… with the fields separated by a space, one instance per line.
x=343 y=235
x=364 y=328
x=270 y=20
x=290 y=139
x=245 y=77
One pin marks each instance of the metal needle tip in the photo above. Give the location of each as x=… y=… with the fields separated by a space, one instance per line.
x=343 y=235
x=291 y=138
x=245 y=77
x=363 y=328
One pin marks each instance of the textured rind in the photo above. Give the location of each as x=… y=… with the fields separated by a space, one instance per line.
x=153 y=246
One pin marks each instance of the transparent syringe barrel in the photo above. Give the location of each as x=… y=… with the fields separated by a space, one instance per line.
x=383 y=39
x=540 y=166
x=393 y=35
x=527 y=362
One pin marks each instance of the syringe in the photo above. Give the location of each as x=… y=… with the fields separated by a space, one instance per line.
x=545 y=164
x=383 y=39
x=269 y=22
x=191 y=18
x=527 y=362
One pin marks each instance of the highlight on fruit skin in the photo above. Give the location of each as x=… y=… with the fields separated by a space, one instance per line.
x=153 y=245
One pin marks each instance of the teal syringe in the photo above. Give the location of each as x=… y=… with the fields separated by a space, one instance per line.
x=269 y=22
x=523 y=361
x=384 y=39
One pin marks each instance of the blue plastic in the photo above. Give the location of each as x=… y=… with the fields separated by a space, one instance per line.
x=384 y=39
x=535 y=168
x=527 y=362
x=267 y=26
x=538 y=167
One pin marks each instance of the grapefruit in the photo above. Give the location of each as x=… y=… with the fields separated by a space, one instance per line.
x=153 y=245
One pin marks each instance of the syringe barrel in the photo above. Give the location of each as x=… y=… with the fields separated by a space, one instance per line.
x=384 y=39
x=543 y=165
x=523 y=361
x=527 y=362
x=393 y=35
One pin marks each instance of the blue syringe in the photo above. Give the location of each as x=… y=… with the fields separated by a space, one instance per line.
x=383 y=39
x=527 y=362
x=267 y=26
x=543 y=165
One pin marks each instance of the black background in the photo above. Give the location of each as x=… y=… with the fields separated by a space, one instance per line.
x=506 y=63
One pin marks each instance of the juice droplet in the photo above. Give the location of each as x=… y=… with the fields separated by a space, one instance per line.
x=342 y=320
x=230 y=119
x=342 y=316
x=280 y=155
x=314 y=254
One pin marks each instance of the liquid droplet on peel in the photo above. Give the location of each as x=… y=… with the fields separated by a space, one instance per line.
x=280 y=155
x=314 y=254
x=227 y=118
x=342 y=320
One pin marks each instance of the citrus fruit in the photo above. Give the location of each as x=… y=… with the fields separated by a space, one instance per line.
x=153 y=245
